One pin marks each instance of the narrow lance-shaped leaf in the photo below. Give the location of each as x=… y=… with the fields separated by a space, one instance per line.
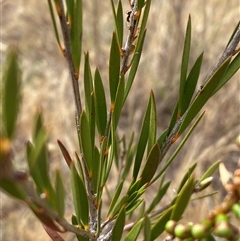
x=80 y=199
x=86 y=141
x=147 y=229
x=152 y=124
x=142 y=141
x=54 y=25
x=95 y=168
x=11 y=92
x=159 y=226
x=88 y=86
x=118 y=104
x=233 y=67
x=76 y=34
x=191 y=83
x=182 y=199
x=65 y=153
x=119 y=225
x=204 y=95
x=114 y=67
x=210 y=171
x=151 y=165
x=119 y=23
x=100 y=103
x=134 y=66
x=134 y=232
x=184 y=67
x=60 y=194
x=115 y=197
x=160 y=194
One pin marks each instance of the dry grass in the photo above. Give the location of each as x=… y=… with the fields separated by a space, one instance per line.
x=46 y=85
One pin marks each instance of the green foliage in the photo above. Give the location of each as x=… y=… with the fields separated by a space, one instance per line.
x=138 y=158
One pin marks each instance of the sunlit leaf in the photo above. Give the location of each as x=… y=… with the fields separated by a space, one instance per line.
x=114 y=67
x=151 y=165
x=184 y=67
x=204 y=95
x=147 y=229
x=134 y=232
x=119 y=23
x=160 y=194
x=100 y=103
x=11 y=92
x=191 y=83
x=115 y=197
x=60 y=194
x=80 y=199
x=119 y=225
x=86 y=141
x=134 y=66
x=142 y=141
x=65 y=153
x=152 y=124
x=159 y=226
x=182 y=200
x=210 y=171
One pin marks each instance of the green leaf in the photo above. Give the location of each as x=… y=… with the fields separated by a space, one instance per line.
x=80 y=200
x=235 y=30
x=86 y=141
x=231 y=70
x=134 y=66
x=13 y=189
x=129 y=157
x=210 y=171
x=65 y=153
x=133 y=206
x=114 y=67
x=11 y=92
x=134 y=187
x=191 y=83
x=119 y=225
x=134 y=232
x=118 y=104
x=140 y=4
x=142 y=141
x=152 y=124
x=147 y=229
x=54 y=23
x=88 y=86
x=186 y=177
x=204 y=95
x=182 y=199
x=75 y=15
x=100 y=103
x=184 y=68
x=60 y=194
x=151 y=165
x=161 y=139
x=170 y=160
x=159 y=226
x=120 y=204
x=95 y=168
x=119 y=23
x=143 y=24
x=158 y=197
x=115 y=197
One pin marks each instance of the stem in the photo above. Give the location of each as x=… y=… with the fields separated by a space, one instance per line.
x=68 y=55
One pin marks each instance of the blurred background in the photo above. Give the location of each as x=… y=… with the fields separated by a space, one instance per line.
x=46 y=85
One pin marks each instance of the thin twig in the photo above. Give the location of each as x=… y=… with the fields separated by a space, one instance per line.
x=130 y=38
x=230 y=50
x=68 y=55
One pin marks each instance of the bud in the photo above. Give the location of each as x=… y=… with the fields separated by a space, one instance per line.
x=236 y=210
x=223 y=229
x=199 y=231
x=170 y=226
x=182 y=231
x=221 y=217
